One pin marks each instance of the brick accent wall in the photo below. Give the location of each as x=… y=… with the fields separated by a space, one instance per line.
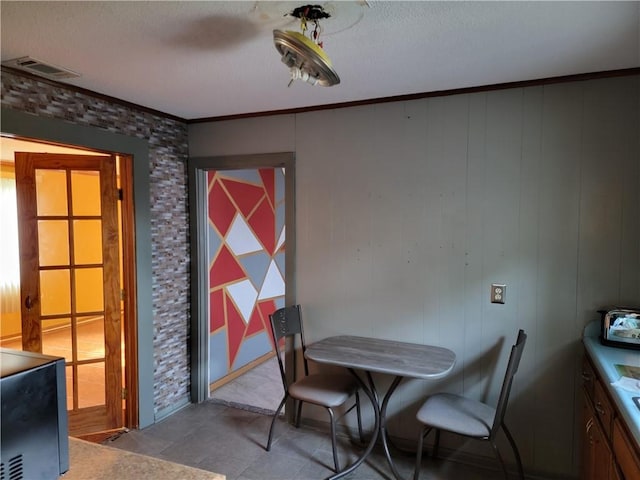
x=168 y=152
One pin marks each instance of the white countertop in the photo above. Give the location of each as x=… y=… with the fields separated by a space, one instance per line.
x=605 y=358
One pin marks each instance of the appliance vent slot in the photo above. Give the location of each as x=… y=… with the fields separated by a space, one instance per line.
x=41 y=68
x=14 y=469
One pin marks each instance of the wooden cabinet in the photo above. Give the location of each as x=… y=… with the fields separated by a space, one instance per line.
x=627 y=457
x=597 y=462
x=603 y=408
x=588 y=378
x=609 y=452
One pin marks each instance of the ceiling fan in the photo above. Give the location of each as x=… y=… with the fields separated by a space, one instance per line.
x=302 y=51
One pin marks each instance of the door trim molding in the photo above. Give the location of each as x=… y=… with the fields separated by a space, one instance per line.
x=197 y=168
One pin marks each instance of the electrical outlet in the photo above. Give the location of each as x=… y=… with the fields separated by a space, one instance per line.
x=498 y=293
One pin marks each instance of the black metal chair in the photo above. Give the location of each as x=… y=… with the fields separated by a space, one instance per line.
x=471 y=418
x=328 y=390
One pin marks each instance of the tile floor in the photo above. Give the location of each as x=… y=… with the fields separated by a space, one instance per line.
x=228 y=440
x=228 y=433
x=241 y=392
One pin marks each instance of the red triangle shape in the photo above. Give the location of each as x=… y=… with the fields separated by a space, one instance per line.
x=268 y=180
x=262 y=221
x=235 y=330
x=221 y=210
x=216 y=310
x=266 y=308
x=245 y=196
x=255 y=323
x=225 y=269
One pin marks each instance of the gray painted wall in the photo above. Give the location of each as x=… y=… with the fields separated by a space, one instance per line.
x=408 y=211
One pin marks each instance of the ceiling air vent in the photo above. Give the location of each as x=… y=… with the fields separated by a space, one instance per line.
x=43 y=69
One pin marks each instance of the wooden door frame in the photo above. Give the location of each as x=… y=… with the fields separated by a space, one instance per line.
x=198 y=190
x=114 y=415
x=131 y=411
x=41 y=129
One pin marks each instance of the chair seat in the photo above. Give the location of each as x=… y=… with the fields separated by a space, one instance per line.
x=326 y=390
x=457 y=414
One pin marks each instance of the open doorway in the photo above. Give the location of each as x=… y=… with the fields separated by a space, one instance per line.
x=70 y=211
x=241 y=208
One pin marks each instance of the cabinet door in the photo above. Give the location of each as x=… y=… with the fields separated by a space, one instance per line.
x=603 y=408
x=626 y=455
x=587 y=451
x=588 y=377
x=615 y=472
x=597 y=461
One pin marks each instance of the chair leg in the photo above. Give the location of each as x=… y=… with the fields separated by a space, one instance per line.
x=333 y=440
x=497 y=452
x=299 y=414
x=516 y=453
x=436 y=445
x=358 y=413
x=273 y=420
x=416 y=472
x=423 y=433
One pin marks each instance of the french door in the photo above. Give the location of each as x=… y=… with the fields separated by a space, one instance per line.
x=70 y=278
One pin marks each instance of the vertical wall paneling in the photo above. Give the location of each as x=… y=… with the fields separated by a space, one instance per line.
x=415 y=226
x=408 y=211
x=451 y=174
x=410 y=300
x=526 y=276
x=501 y=202
x=630 y=237
x=390 y=209
x=315 y=185
x=472 y=359
x=557 y=282
x=601 y=206
x=432 y=241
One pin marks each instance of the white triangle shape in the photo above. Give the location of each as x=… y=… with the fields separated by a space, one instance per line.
x=244 y=295
x=273 y=285
x=241 y=239
x=281 y=239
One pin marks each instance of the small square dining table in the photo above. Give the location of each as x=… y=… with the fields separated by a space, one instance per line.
x=374 y=355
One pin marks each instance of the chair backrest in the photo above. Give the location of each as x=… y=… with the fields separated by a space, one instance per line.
x=512 y=368
x=287 y=323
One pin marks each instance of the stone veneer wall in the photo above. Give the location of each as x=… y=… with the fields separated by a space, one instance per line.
x=168 y=153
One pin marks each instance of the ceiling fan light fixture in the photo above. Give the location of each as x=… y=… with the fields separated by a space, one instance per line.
x=306 y=60
x=303 y=54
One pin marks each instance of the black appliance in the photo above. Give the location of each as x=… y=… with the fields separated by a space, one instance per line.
x=35 y=441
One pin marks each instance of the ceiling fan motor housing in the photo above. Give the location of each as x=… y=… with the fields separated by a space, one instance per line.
x=300 y=53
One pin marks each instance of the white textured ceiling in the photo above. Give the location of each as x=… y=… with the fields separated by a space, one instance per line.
x=208 y=59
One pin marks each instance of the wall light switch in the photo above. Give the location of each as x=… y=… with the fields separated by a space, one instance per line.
x=498 y=293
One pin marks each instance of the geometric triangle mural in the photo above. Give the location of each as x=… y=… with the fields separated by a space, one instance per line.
x=246 y=264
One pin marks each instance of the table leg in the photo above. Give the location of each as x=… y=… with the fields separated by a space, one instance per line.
x=383 y=425
x=380 y=430
x=372 y=394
